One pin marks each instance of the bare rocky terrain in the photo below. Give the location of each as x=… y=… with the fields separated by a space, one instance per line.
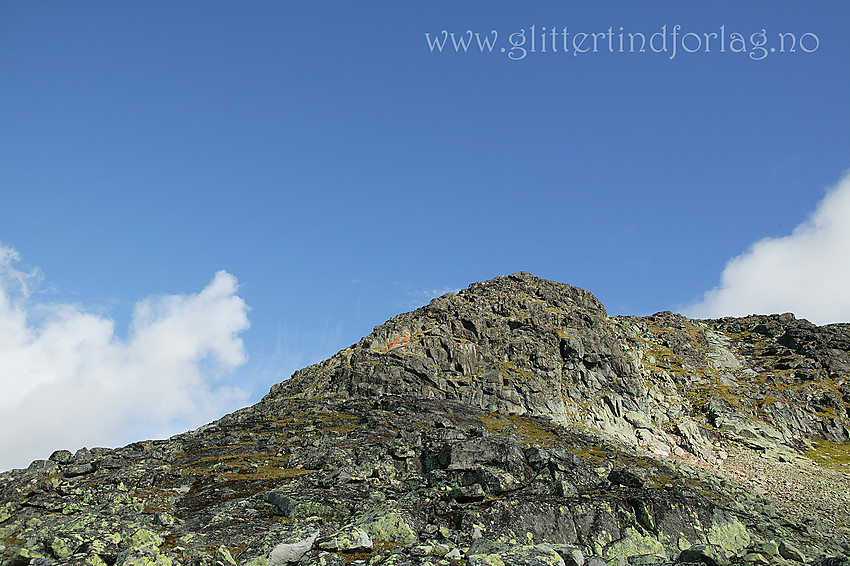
x=812 y=495
x=513 y=423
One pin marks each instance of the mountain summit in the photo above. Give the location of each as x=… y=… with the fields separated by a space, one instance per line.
x=521 y=345
x=512 y=423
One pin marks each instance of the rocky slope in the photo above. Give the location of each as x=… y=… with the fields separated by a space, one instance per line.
x=511 y=423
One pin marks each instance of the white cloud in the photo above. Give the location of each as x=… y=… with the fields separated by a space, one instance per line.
x=69 y=381
x=422 y=297
x=806 y=272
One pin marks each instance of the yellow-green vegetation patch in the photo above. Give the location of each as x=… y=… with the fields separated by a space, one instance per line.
x=527 y=429
x=696 y=335
x=664 y=358
x=235 y=462
x=591 y=453
x=320 y=422
x=832 y=455
x=333 y=421
x=226 y=457
x=510 y=371
x=252 y=467
x=735 y=336
x=265 y=473
x=660 y=480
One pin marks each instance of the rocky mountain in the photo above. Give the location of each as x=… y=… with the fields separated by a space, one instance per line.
x=513 y=423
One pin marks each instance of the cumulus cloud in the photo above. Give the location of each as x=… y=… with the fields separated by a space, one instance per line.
x=806 y=272
x=68 y=380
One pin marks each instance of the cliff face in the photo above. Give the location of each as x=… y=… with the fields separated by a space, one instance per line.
x=513 y=345
x=520 y=345
x=512 y=423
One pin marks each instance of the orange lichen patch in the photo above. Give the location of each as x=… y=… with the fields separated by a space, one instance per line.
x=404 y=339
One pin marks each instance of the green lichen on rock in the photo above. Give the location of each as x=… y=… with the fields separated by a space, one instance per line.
x=94 y=559
x=7 y=510
x=633 y=543
x=145 y=556
x=485 y=560
x=512 y=554
x=385 y=523
x=64 y=546
x=348 y=539
x=144 y=537
x=731 y=535
x=222 y=557
x=303 y=508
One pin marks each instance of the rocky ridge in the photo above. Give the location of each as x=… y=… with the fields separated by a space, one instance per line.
x=514 y=422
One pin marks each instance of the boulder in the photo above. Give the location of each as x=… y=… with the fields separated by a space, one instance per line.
x=289 y=553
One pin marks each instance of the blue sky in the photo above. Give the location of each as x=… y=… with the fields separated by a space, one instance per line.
x=285 y=176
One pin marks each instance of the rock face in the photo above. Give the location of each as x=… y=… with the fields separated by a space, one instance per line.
x=520 y=345
x=513 y=423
